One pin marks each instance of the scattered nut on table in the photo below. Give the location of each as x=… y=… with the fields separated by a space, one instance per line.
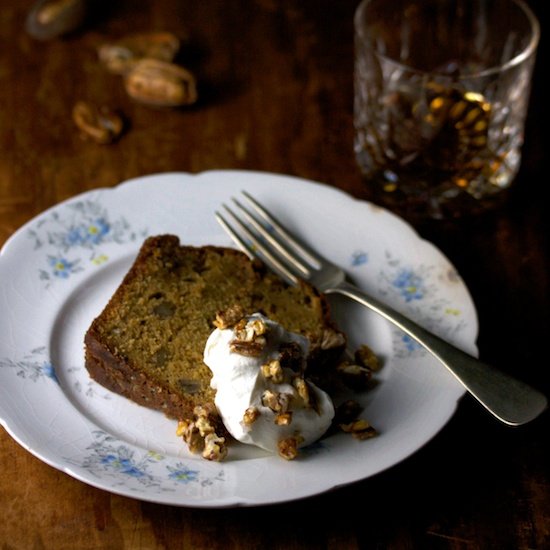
x=160 y=83
x=99 y=124
x=49 y=19
x=120 y=56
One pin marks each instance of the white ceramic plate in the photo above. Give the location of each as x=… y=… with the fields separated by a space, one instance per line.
x=58 y=271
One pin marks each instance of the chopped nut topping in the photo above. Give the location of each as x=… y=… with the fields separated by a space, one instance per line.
x=277 y=402
x=354 y=376
x=250 y=337
x=269 y=399
x=273 y=371
x=204 y=426
x=250 y=416
x=365 y=357
x=182 y=426
x=288 y=448
x=214 y=448
x=248 y=349
x=191 y=435
x=332 y=339
x=229 y=318
x=304 y=392
x=283 y=419
x=248 y=331
x=199 y=433
x=208 y=411
x=302 y=388
x=359 y=429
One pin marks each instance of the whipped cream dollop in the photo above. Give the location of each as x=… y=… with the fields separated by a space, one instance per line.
x=261 y=394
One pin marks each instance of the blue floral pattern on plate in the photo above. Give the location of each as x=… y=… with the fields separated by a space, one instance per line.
x=415 y=292
x=32 y=366
x=418 y=294
x=137 y=469
x=76 y=236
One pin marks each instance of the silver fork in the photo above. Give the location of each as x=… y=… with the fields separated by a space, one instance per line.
x=508 y=399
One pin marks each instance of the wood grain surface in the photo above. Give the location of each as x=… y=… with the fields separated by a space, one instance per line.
x=276 y=94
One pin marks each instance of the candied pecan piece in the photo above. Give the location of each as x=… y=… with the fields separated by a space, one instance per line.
x=303 y=389
x=229 y=317
x=283 y=419
x=288 y=448
x=277 y=402
x=250 y=416
x=354 y=376
x=214 y=448
x=332 y=339
x=250 y=339
x=250 y=331
x=248 y=349
x=191 y=435
x=273 y=371
x=359 y=429
x=365 y=357
x=200 y=435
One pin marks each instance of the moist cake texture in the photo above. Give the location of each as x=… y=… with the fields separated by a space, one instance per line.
x=148 y=342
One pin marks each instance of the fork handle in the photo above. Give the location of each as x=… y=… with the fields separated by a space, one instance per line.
x=508 y=399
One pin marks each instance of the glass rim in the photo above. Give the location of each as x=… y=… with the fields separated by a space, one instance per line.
x=518 y=59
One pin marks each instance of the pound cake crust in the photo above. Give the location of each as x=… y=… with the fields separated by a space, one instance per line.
x=147 y=344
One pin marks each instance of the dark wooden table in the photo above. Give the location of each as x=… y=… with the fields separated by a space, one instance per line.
x=275 y=85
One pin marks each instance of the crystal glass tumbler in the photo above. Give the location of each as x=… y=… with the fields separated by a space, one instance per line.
x=441 y=94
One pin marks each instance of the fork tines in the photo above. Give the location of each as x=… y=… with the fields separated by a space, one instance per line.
x=266 y=238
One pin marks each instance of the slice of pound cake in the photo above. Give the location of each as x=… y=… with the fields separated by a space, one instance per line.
x=148 y=342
